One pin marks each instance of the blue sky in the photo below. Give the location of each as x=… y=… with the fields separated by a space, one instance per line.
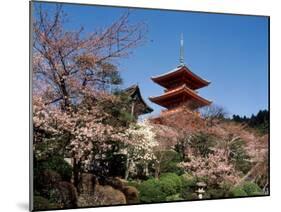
x=231 y=51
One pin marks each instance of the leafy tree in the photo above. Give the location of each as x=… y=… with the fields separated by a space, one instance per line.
x=167 y=161
x=239 y=157
x=260 y=121
x=202 y=144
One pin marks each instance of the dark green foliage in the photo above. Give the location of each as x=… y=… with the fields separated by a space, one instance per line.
x=252 y=188
x=154 y=190
x=150 y=191
x=181 y=146
x=55 y=163
x=202 y=144
x=175 y=169
x=111 y=165
x=170 y=183
x=239 y=157
x=116 y=164
x=168 y=161
x=119 y=110
x=108 y=76
x=188 y=187
x=48 y=144
x=238 y=192
x=257 y=193
x=247 y=189
x=218 y=191
x=188 y=181
x=260 y=121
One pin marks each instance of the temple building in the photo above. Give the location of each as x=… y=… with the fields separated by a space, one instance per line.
x=138 y=105
x=180 y=88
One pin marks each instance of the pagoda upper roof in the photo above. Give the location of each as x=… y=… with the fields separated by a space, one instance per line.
x=180 y=75
x=182 y=92
x=134 y=92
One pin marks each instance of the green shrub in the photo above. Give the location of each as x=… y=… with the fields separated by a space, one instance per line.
x=174 y=168
x=188 y=186
x=150 y=191
x=175 y=197
x=171 y=183
x=251 y=188
x=238 y=192
x=257 y=193
x=247 y=189
x=239 y=156
x=188 y=181
x=154 y=190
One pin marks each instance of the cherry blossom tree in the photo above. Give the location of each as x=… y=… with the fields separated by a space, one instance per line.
x=83 y=129
x=69 y=64
x=71 y=73
x=139 y=146
x=215 y=169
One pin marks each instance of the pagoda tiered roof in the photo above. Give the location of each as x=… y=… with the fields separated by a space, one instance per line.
x=181 y=94
x=178 y=76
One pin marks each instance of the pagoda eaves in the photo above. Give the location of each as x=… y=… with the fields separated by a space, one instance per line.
x=179 y=76
x=180 y=96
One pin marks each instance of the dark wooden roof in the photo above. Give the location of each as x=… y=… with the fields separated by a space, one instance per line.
x=134 y=92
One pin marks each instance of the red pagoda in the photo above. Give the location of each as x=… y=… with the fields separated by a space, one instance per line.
x=181 y=86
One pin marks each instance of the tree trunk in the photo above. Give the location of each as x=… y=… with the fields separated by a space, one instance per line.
x=146 y=169
x=76 y=172
x=127 y=168
x=157 y=170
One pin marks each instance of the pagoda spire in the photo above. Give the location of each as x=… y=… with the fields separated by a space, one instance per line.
x=181 y=51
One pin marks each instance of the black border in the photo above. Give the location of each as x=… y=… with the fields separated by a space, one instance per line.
x=144 y=8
